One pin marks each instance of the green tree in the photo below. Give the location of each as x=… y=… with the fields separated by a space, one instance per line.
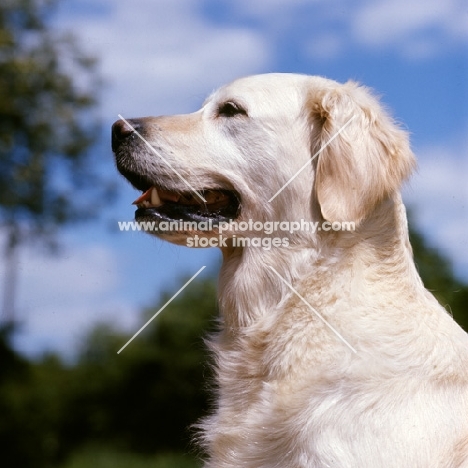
x=144 y=399
x=47 y=125
x=29 y=408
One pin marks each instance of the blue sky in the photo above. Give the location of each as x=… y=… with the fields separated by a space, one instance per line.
x=165 y=56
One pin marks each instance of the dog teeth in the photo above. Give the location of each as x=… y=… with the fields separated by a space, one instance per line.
x=149 y=199
x=155 y=200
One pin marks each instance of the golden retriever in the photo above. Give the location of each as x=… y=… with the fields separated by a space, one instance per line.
x=331 y=352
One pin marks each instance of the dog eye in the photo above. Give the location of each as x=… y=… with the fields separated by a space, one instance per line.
x=230 y=109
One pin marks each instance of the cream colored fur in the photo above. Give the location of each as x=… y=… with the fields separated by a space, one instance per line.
x=290 y=394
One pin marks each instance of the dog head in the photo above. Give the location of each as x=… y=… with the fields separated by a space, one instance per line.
x=276 y=147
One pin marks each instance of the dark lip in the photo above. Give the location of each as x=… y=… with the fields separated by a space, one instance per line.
x=171 y=211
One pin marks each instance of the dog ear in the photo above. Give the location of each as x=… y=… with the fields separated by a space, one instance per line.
x=362 y=155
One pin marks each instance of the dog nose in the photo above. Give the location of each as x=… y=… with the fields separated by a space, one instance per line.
x=121 y=130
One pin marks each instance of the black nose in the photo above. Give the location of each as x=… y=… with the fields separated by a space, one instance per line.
x=121 y=130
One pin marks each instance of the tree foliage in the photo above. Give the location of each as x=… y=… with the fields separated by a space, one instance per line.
x=48 y=89
x=156 y=387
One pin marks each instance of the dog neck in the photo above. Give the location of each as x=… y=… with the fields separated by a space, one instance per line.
x=255 y=282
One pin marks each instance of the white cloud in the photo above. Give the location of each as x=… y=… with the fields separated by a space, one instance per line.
x=438 y=198
x=60 y=297
x=415 y=29
x=409 y=24
x=325 y=46
x=162 y=56
x=279 y=9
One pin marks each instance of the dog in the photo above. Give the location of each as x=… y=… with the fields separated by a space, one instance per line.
x=331 y=352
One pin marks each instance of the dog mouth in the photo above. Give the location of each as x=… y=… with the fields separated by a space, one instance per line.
x=160 y=204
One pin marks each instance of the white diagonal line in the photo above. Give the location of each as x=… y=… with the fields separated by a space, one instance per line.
x=311 y=159
x=161 y=309
x=312 y=309
x=153 y=149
